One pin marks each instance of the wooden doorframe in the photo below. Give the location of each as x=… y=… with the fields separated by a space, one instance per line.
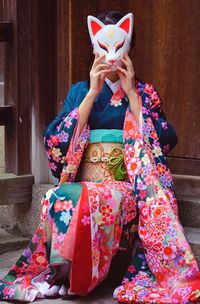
x=30 y=84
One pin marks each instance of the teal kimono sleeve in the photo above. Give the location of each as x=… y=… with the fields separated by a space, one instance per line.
x=165 y=131
x=58 y=134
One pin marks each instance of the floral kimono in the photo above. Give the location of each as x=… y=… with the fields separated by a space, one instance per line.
x=87 y=215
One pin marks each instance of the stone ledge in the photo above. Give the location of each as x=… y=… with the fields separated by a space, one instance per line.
x=24 y=217
x=189 y=211
x=15 y=189
x=9 y=242
x=187 y=185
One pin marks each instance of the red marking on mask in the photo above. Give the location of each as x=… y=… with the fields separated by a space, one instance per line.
x=126 y=25
x=95 y=27
x=112 y=61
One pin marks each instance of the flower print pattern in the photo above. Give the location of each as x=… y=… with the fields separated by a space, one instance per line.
x=85 y=220
x=153 y=95
x=57 y=144
x=105 y=212
x=106 y=201
x=117 y=98
x=50 y=234
x=8 y=292
x=74 y=155
x=95 y=257
x=59 y=133
x=159 y=229
x=161 y=168
x=134 y=165
x=27 y=254
x=66 y=205
x=169 y=251
x=39 y=258
x=55 y=152
x=63 y=136
x=65 y=217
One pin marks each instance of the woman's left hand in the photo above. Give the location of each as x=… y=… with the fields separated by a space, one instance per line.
x=127 y=75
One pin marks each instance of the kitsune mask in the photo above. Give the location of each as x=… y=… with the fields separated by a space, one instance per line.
x=113 y=40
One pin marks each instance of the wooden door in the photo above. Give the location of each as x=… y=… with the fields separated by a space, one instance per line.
x=167 y=54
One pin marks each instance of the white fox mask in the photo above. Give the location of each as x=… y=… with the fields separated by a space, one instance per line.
x=113 y=40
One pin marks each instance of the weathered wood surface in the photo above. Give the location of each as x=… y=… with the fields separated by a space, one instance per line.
x=167 y=55
x=184 y=166
x=30 y=83
x=5 y=31
x=6 y=115
x=18 y=87
x=43 y=65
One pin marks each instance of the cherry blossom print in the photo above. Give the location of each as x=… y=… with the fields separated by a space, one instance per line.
x=85 y=220
x=117 y=98
x=63 y=136
x=65 y=217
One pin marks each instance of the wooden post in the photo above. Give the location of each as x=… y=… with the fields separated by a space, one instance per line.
x=29 y=84
x=18 y=87
x=43 y=81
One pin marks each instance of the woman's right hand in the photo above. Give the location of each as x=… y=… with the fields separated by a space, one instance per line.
x=98 y=74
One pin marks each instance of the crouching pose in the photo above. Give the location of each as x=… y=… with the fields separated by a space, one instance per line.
x=106 y=150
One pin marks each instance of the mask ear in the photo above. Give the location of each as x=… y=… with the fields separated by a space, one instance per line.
x=126 y=23
x=94 y=25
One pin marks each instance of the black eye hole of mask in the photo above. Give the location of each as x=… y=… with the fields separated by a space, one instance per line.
x=119 y=46
x=104 y=47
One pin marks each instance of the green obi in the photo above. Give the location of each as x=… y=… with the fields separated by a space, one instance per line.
x=106 y=135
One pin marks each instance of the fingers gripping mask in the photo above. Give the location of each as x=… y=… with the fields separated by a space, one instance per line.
x=113 y=40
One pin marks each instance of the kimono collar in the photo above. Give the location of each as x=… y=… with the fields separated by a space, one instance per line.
x=109 y=89
x=114 y=86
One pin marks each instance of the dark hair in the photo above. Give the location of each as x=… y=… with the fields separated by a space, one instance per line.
x=112 y=17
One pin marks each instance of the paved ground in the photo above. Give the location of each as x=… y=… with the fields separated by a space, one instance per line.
x=102 y=294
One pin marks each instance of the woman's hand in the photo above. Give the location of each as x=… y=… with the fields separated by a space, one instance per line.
x=98 y=74
x=127 y=76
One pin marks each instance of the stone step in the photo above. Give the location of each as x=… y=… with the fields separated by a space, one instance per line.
x=10 y=242
x=189 y=211
x=187 y=185
x=15 y=189
x=193 y=237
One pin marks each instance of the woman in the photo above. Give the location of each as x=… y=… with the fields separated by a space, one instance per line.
x=107 y=156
